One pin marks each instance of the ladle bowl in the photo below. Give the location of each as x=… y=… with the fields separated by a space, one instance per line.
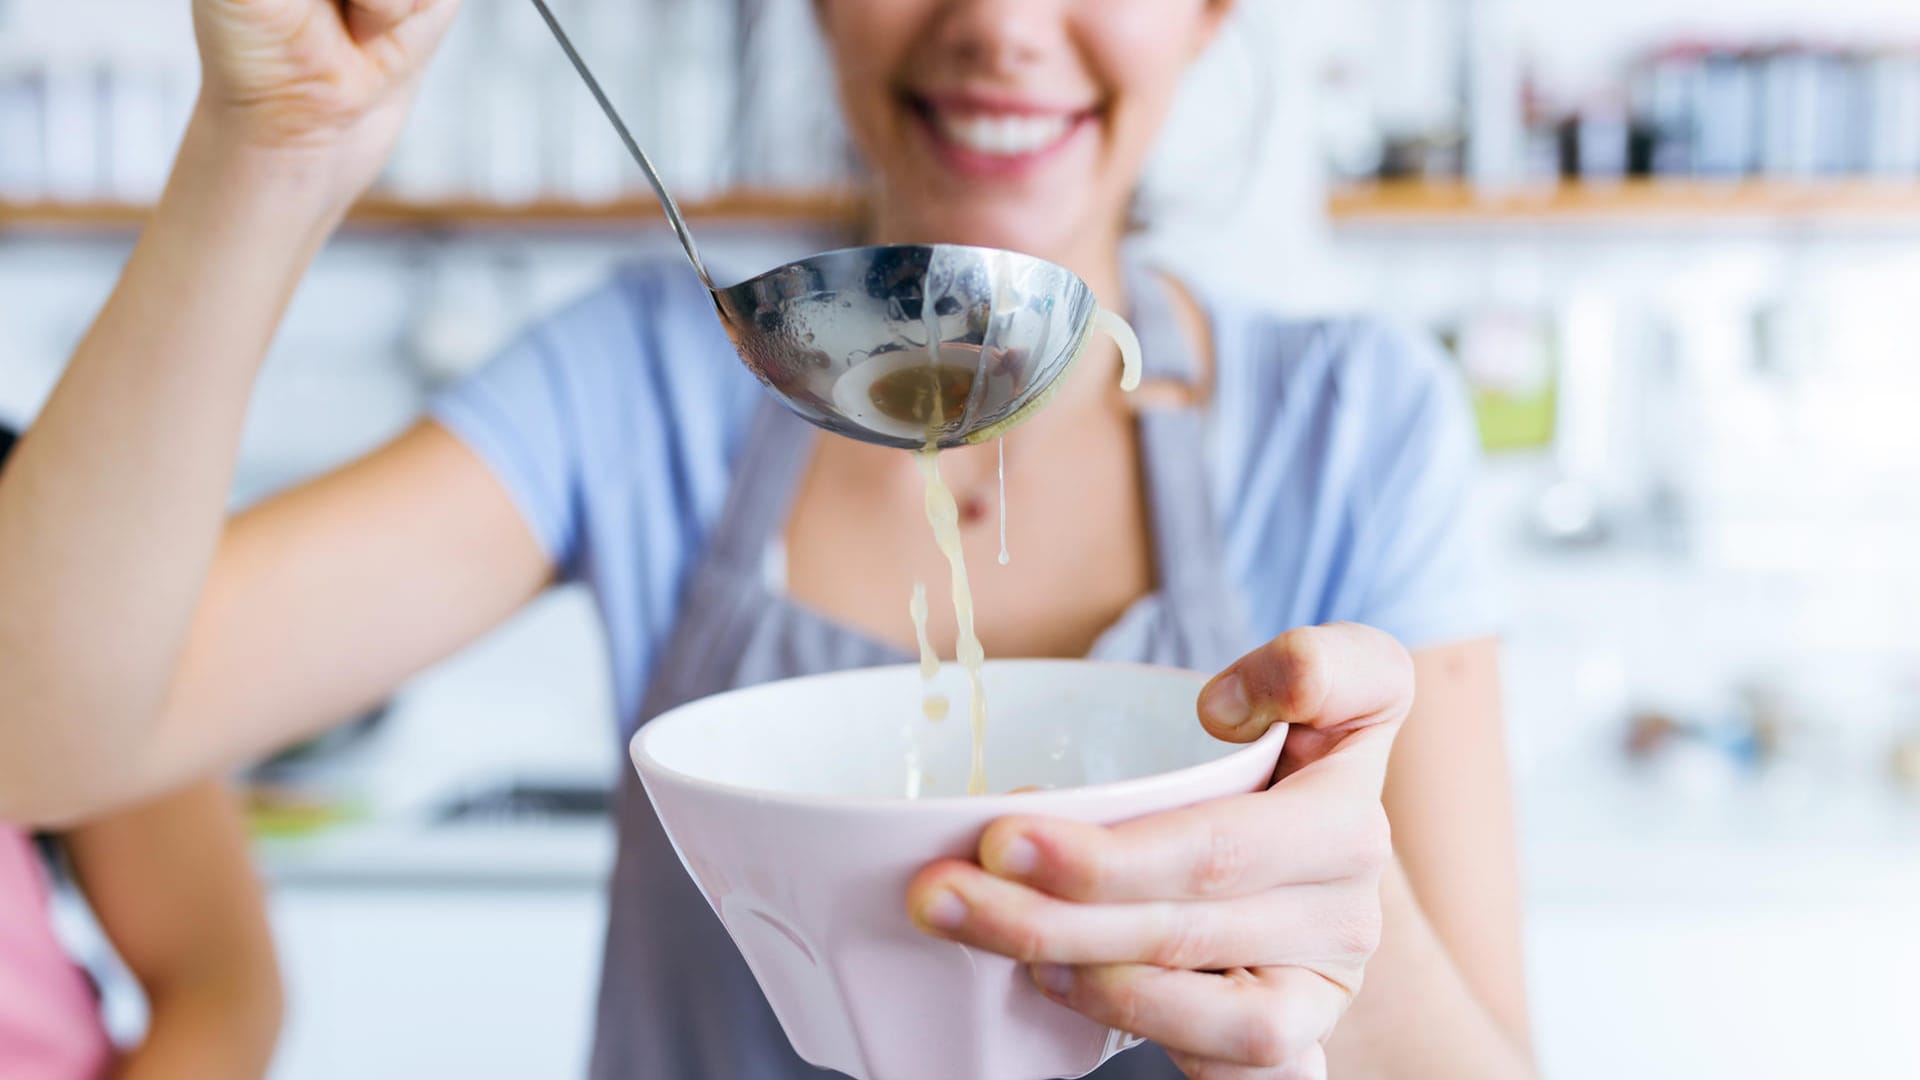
x=907 y=344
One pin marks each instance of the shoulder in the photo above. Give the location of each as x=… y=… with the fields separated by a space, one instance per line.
x=628 y=400
x=663 y=288
x=1342 y=452
x=1361 y=370
x=645 y=352
x=1351 y=397
x=651 y=311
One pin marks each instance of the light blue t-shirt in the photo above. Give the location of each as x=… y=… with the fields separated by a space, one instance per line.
x=1340 y=460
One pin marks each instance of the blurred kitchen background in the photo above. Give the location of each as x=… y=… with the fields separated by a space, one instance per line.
x=1674 y=247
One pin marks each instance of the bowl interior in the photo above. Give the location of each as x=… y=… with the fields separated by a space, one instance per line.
x=864 y=734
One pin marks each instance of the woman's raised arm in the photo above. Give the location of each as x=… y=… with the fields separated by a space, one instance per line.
x=141 y=640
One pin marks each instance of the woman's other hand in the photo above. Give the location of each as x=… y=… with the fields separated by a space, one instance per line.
x=1233 y=933
x=333 y=77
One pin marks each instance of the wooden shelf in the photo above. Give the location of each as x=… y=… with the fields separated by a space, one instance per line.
x=1657 y=203
x=381 y=213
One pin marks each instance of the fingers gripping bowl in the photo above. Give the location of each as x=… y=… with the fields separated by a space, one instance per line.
x=803 y=809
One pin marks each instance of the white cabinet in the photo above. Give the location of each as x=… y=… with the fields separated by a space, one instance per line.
x=1757 y=934
x=495 y=981
x=420 y=980
x=1779 y=992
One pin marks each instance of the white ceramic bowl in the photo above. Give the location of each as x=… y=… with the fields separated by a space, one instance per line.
x=788 y=803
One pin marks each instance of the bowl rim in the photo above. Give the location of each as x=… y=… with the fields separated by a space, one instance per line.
x=996 y=804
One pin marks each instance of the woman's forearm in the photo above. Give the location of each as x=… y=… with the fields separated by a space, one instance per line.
x=208 y=1034
x=173 y=888
x=1416 y=1017
x=112 y=506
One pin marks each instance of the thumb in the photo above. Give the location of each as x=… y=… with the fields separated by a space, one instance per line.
x=1328 y=682
x=369 y=19
x=423 y=28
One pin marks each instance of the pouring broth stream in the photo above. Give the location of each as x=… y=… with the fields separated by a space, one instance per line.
x=923 y=394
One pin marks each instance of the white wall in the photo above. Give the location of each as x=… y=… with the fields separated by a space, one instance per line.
x=1579 y=45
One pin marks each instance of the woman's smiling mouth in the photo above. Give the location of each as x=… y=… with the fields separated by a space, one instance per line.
x=999 y=138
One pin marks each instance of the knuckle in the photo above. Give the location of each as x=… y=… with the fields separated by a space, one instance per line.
x=1310 y=1064
x=1027 y=941
x=1373 y=842
x=1124 y=1004
x=1090 y=875
x=1187 y=943
x=1024 y=935
x=1402 y=660
x=1268 y=1041
x=1193 y=1068
x=1300 y=658
x=1222 y=866
x=1355 y=929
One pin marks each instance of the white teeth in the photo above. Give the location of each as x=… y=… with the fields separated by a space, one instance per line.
x=1004 y=135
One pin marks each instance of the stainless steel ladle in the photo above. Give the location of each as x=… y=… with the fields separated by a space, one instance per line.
x=897 y=344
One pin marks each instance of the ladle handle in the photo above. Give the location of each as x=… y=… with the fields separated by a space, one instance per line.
x=672 y=208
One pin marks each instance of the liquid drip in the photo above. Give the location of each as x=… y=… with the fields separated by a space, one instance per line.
x=934 y=705
x=1002 y=444
x=931 y=396
x=1121 y=332
x=929 y=663
x=943 y=513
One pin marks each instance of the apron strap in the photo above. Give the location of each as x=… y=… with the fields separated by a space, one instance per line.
x=766 y=477
x=1165 y=354
x=1187 y=549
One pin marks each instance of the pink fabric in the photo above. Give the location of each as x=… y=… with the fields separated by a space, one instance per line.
x=50 y=1027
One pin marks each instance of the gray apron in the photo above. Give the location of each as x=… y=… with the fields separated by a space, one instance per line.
x=677 y=1001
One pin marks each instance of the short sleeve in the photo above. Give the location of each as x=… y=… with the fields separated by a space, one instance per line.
x=613 y=425
x=1418 y=546
x=523 y=414
x=515 y=414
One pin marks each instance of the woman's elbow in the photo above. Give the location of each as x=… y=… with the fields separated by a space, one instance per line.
x=41 y=802
x=39 y=808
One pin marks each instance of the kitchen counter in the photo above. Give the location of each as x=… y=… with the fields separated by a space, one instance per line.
x=571 y=855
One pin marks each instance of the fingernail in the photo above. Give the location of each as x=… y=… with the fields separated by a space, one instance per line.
x=946 y=911
x=1225 y=703
x=1017 y=858
x=1055 y=979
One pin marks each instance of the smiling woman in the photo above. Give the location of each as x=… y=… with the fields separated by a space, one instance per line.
x=1016 y=126
x=1302 y=477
